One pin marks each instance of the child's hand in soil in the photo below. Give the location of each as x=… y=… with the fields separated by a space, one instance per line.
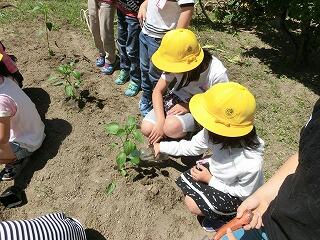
x=156 y=148
x=178 y=109
x=201 y=174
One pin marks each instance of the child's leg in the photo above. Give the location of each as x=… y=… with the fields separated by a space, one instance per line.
x=178 y=126
x=122 y=41
x=132 y=47
x=95 y=26
x=148 y=123
x=192 y=206
x=149 y=74
x=6 y=154
x=106 y=17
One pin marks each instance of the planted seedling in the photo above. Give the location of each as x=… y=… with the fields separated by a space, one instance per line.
x=128 y=136
x=70 y=79
x=43 y=9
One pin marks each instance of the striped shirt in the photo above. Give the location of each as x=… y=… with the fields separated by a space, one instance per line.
x=55 y=226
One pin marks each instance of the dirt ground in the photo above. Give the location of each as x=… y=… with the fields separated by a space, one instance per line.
x=75 y=164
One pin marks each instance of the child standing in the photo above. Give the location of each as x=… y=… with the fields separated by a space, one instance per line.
x=101 y=16
x=128 y=41
x=157 y=18
x=188 y=70
x=21 y=129
x=216 y=187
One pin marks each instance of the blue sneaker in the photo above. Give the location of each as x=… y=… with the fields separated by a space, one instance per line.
x=123 y=77
x=100 y=61
x=145 y=106
x=108 y=69
x=132 y=89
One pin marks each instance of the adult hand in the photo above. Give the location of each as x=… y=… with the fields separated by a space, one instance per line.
x=156 y=148
x=142 y=13
x=201 y=174
x=257 y=206
x=156 y=134
x=230 y=235
x=178 y=109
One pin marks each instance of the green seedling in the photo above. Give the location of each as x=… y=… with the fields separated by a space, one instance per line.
x=70 y=79
x=110 y=188
x=129 y=136
x=43 y=9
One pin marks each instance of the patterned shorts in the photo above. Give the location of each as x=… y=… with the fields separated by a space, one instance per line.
x=213 y=203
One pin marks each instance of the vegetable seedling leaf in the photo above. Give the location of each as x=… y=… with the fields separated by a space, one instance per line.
x=128 y=147
x=112 y=128
x=131 y=123
x=137 y=135
x=135 y=160
x=76 y=74
x=121 y=160
x=69 y=90
x=110 y=188
x=58 y=83
x=123 y=172
x=52 y=78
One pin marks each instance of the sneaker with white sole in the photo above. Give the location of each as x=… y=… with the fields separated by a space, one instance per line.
x=12 y=171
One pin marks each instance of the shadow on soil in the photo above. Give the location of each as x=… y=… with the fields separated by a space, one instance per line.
x=56 y=131
x=94 y=235
x=154 y=169
x=281 y=57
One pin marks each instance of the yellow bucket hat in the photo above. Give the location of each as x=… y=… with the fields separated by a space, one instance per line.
x=226 y=109
x=179 y=52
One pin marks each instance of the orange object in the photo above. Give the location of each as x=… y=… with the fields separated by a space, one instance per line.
x=234 y=224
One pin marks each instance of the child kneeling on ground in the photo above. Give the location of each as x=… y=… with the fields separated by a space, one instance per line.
x=21 y=129
x=187 y=70
x=216 y=186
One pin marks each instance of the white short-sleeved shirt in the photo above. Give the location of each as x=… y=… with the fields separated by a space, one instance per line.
x=159 y=21
x=26 y=127
x=215 y=73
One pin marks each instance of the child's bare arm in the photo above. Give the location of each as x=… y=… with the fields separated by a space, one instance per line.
x=142 y=12
x=157 y=102
x=4 y=130
x=185 y=17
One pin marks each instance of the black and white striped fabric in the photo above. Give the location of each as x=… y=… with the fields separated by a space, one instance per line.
x=55 y=226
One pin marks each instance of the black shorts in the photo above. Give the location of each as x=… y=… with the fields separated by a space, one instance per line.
x=213 y=203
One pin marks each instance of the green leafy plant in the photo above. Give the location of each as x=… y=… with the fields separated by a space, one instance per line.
x=110 y=188
x=43 y=9
x=70 y=79
x=129 y=136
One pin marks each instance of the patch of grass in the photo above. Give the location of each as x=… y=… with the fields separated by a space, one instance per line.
x=59 y=10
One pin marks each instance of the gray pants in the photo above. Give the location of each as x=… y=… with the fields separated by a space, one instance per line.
x=101 y=17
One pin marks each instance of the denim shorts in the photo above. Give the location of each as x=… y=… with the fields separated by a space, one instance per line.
x=18 y=151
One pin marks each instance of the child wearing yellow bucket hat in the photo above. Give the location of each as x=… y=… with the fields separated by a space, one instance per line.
x=217 y=185
x=187 y=70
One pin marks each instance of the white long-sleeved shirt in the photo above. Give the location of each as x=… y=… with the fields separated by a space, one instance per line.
x=237 y=171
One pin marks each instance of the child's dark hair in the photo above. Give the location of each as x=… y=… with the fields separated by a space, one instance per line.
x=249 y=141
x=194 y=74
